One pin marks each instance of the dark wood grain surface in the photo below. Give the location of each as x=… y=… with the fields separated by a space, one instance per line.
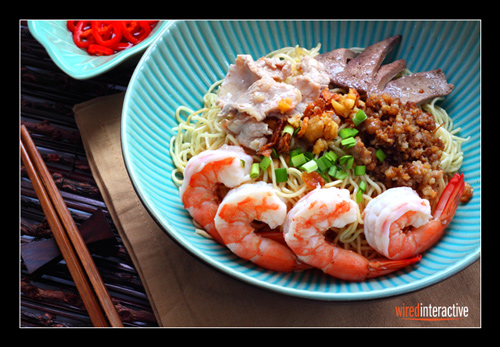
x=48 y=296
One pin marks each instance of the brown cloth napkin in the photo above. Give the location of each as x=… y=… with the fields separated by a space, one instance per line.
x=185 y=292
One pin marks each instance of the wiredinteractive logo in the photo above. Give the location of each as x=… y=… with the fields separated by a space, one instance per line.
x=431 y=312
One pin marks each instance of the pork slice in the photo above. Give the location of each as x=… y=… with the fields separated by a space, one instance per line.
x=248 y=131
x=275 y=68
x=237 y=81
x=245 y=72
x=419 y=87
x=311 y=82
x=264 y=96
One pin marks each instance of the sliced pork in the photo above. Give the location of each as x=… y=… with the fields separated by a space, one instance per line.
x=311 y=82
x=245 y=72
x=255 y=90
x=267 y=96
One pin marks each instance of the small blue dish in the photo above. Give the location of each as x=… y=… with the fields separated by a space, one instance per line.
x=188 y=57
x=77 y=63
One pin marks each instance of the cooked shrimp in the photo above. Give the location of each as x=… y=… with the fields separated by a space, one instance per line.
x=304 y=230
x=240 y=207
x=399 y=224
x=204 y=173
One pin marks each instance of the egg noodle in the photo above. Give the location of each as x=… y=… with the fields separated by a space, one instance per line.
x=202 y=130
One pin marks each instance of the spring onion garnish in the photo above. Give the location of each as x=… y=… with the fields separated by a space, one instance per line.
x=380 y=155
x=288 y=129
x=323 y=163
x=341 y=174
x=310 y=166
x=264 y=163
x=281 y=175
x=309 y=155
x=359 y=196
x=346 y=161
x=295 y=152
x=348 y=132
x=349 y=142
x=359 y=170
x=242 y=162
x=332 y=171
x=331 y=156
x=359 y=117
x=361 y=190
x=254 y=170
x=362 y=186
x=298 y=160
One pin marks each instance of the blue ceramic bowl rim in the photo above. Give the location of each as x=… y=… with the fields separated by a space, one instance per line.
x=419 y=284
x=119 y=57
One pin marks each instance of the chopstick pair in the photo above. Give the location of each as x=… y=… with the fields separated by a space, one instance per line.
x=93 y=292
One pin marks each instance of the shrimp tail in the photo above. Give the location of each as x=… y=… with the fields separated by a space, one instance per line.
x=383 y=267
x=449 y=200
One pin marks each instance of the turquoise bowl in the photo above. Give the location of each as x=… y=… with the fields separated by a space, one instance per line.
x=184 y=61
x=57 y=40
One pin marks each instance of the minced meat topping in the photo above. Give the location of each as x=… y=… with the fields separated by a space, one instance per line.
x=406 y=135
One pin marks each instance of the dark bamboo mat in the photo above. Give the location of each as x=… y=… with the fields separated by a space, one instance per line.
x=48 y=296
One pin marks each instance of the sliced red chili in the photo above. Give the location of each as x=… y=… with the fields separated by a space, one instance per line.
x=82 y=36
x=107 y=35
x=135 y=31
x=99 y=50
x=71 y=25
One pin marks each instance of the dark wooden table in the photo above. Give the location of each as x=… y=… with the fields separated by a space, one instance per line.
x=48 y=296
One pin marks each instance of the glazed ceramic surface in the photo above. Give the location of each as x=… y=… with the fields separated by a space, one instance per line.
x=75 y=62
x=188 y=57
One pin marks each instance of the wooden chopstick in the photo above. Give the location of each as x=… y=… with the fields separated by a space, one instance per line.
x=93 y=292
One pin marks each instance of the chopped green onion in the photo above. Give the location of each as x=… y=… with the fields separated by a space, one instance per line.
x=359 y=196
x=348 y=132
x=349 y=163
x=361 y=190
x=288 y=129
x=242 y=162
x=332 y=171
x=359 y=170
x=298 y=160
x=254 y=170
x=341 y=174
x=281 y=175
x=295 y=151
x=310 y=166
x=309 y=155
x=274 y=154
x=349 y=142
x=362 y=186
x=331 y=156
x=264 y=163
x=359 y=117
x=323 y=163
x=344 y=158
x=380 y=154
